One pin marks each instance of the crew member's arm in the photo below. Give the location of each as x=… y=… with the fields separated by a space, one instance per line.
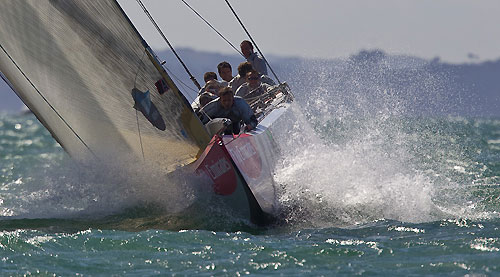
x=253 y=123
x=247 y=114
x=208 y=111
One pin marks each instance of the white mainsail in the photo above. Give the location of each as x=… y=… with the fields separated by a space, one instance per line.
x=90 y=78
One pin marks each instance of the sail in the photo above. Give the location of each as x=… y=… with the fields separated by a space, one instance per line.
x=90 y=78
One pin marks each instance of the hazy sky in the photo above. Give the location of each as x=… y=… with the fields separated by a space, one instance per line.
x=454 y=30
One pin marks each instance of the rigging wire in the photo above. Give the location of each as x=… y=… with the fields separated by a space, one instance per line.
x=191 y=99
x=184 y=85
x=47 y=101
x=213 y=28
x=246 y=31
x=168 y=43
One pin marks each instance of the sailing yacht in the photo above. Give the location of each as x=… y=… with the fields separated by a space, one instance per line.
x=91 y=79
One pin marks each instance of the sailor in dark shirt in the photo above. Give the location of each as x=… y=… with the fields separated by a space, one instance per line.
x=229 y=106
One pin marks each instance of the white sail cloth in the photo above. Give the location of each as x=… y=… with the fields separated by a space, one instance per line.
x=86 y=73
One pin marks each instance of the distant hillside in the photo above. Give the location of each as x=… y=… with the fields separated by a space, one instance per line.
x=425 y=87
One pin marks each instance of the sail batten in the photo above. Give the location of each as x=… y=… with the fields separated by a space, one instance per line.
x=90 y=78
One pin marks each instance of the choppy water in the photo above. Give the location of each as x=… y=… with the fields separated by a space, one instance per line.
x=368 y=193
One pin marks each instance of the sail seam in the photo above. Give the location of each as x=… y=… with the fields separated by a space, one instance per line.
x=46 y=101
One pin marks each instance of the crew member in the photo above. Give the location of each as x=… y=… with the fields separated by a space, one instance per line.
x=253 y=87
x=240 y=79
x=257 y=62
x=225 y=73
x=234 y=108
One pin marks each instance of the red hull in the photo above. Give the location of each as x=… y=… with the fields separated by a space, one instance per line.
x=240 y=175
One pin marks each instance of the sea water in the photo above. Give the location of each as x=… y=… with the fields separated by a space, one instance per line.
x=365 y=188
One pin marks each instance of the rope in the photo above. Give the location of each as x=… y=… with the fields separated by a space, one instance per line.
x=213 y=28
x=48 y=103
x=140 y=137
x=136 y=112
x=168 y=43
x=248 y=34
